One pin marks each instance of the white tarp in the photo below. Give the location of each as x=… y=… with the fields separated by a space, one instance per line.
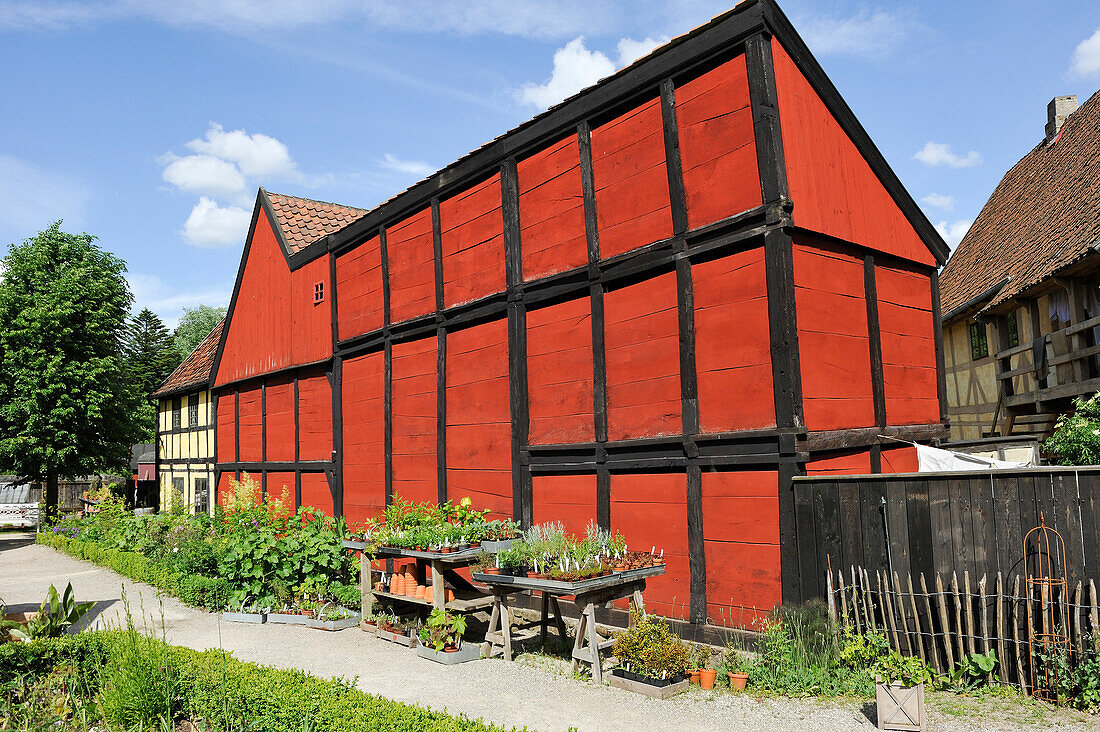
x=935 y=460
x=18 y=514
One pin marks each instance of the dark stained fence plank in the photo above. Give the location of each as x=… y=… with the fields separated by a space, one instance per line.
x=872 y=495
x=920 y=527
x=898 y=523
x=981 y=515
x=1089 y=484
x=810 y=574
x=1029 y=509
x=961 y=530
x=1070 y=525
x=1006 y=510
x=851 y=527
x=939 y=512
x=827 y=508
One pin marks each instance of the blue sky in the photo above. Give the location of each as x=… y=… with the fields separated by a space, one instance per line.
x=150 y=124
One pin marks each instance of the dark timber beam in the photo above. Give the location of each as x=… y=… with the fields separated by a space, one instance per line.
x=519 y=406
x=874 y=340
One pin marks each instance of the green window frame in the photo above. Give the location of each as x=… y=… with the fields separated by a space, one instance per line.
x=979 y=343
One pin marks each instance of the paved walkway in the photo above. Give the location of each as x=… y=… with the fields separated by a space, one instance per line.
x=495 y=690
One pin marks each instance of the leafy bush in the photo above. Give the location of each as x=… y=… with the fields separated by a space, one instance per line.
x=211 y=686
x=1076 y=436
x=909 y=670
x=650 y=648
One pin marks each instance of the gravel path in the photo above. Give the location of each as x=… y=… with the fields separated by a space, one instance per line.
x=516 y=694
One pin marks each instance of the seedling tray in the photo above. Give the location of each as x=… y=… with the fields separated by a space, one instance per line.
x=638 y=687
x=287 y=618
x=468 y=652
x=570 y=588
x=399 y=638
x=340 y=624
x=245 y=617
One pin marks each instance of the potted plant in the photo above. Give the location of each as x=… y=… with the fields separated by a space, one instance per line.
x=707 y=675
x=652 y=659
x=393 y=629
x=441 y=639
x=899 y=692
x=734 y=666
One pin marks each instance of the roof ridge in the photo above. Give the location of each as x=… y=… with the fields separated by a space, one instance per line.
x=312 y=200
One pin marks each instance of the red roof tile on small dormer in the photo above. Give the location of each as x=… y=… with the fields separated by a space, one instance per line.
x=194 y=372
x=304 y=221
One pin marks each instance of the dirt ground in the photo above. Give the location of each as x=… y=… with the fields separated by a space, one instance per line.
x=537 y=691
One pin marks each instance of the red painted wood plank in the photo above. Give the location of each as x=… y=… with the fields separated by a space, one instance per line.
x=900 y=460
x=359 y=288
x=280 y=418
x=314 y=415
x=559 y=373
x=628 y=168
x=834 y=190
x=834 y=349
x=551 y=210
x=908 y=346
x=717 y=146
x=414 y=420
x=316 y=493
x=733 y=343
x=856 y=462
x=226 y=431
x=472 y=230
x=651 y=510
x=275 y=323
x=479 y=457
x=251 y=425
x=411 y=254
x=568 y=499
x=364 y=436
x=643 y=359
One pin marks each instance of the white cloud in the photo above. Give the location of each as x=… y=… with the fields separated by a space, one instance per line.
x=631 y=50
x=256 y=155
x=150 y=291
x=410 y=167
x=576 y=67
x=1086 y=57
x=32 y=198
x=938 y=153
x=953 y=232
x=938 y=200
x=867 y=33
x=203 y=174
x=211 y=225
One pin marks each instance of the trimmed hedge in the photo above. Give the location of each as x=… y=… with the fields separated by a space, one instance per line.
x=233 y=694
x=195 y=590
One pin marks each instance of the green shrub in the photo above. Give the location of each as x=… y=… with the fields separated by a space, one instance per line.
x=650 y=648
x=214 y=687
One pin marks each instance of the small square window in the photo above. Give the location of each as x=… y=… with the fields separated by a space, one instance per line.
x=193 y=410
x=318 y=293
x=1013 y=330
x=177 y=406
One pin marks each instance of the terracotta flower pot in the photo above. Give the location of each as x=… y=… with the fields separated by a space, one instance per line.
x=411 y=589
x=491 y=570
x=706 y=677
x=429 y=593
x=420 y=589
x=738 y=681
x=307 y=613
x=693 y=676
x=450 y=596
x=621 y=568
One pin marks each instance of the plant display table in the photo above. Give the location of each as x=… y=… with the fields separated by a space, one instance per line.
x=468 y=597
x=587 y=594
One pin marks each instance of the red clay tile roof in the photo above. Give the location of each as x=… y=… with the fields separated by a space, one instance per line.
x=195 y=369
x=1043 y=216
x=304 y=220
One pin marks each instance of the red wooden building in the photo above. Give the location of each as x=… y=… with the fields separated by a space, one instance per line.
x=650 y=306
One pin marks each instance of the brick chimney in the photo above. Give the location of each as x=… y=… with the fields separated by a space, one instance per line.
x=1057 y=111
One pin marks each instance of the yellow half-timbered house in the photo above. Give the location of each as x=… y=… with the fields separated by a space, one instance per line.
x=185 y=431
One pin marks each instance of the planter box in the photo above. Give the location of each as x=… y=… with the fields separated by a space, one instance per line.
x=900 y=708
x=287 y=619
x=399 y=638
x=245 y=617
x=492 y=547
x=468 y=652
x=340 y=624
x=657 y=688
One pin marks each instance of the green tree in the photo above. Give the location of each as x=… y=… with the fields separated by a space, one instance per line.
x=1076 y=437
x=195 y=324
x=67 y=406
x=150 y=357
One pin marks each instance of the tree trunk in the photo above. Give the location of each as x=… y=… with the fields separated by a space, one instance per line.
x=51 y=513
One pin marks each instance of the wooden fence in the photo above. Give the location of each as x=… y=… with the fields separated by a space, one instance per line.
x=954 y=617
x=969 y=523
